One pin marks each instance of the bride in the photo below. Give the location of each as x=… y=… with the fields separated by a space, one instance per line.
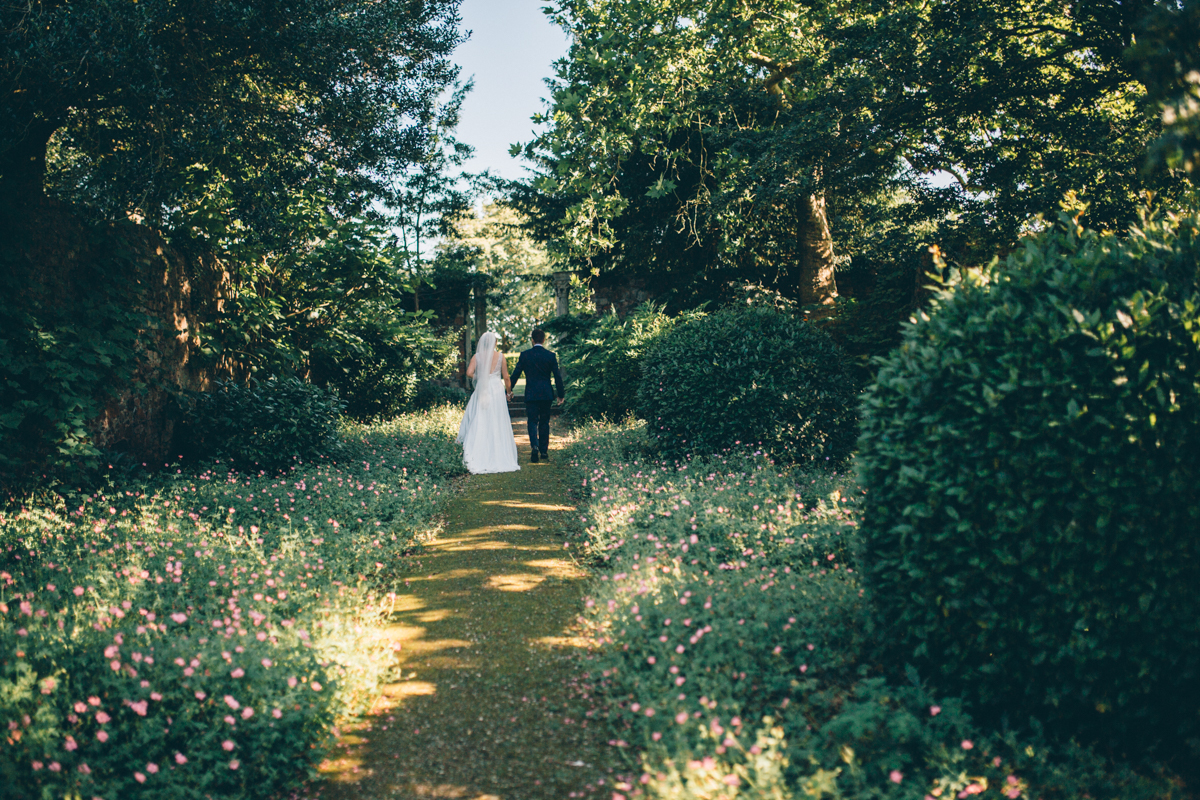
x=486 y=430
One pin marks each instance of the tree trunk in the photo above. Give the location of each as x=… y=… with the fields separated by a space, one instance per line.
x=23 y=166
x=817 y=285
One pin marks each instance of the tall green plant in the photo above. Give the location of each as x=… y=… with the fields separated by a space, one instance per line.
x=59 y=364
x=1031 y=454
x=606 y=362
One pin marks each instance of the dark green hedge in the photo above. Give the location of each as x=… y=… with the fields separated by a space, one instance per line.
x=749 y=376
x=1031 y=454
x=263 y=424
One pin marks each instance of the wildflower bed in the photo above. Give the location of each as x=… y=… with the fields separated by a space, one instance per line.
x=199 y=635
x=732 y=652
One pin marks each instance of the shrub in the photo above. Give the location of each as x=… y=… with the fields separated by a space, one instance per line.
x=748 y=376
x=605 y=362
x=730 y=645
x=264 y=423
x=434 y=393
x=1031 y=455
x=206 y=631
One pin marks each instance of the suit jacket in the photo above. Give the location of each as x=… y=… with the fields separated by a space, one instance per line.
x=538 y=364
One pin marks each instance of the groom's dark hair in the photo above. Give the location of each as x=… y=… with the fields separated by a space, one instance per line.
x=538 y=336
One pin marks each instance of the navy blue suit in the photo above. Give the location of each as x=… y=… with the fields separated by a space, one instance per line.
x=538 y=365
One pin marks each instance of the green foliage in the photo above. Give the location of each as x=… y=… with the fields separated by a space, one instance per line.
x=59 y=363
x=1168 y=55
x=1031 y=456
x=689 y=166
x=606 y=362
x=431 y=395
x=263 y=424
x=199 y=635
x=749 y=377
x=732 y=646
x=266 y=95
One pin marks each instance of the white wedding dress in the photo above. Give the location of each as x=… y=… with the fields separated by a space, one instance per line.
x=486 y=430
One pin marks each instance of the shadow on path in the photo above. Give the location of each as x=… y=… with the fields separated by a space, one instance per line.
x=482 y=712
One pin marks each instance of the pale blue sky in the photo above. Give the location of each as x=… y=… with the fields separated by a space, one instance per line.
x=511 y=51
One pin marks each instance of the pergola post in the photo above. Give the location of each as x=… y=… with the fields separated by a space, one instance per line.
x=562 y=293
x=480 y=310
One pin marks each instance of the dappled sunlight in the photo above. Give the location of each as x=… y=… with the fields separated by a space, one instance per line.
x=562 y=641
x=514 y=583
x=528 y=506
x=559 y=568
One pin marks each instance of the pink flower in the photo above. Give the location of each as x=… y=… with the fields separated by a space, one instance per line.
x=967 y=744
x=80 y=707
x=155 y=696
x=292 y=682
x=935 y=710
x=78 y=590
x=139 y=777
x=93 y=701
x=152 y=768
x=247 y=712
x=102 y=736
x=234 y=764
x=238 y=672
x=200 y=695
x=234 y=704
x=84 y=769
x=895 y=776
x=266 y=662
x=229 y=720
x=276 y=713
x=139 y=707
x=316 y=687
x=179 y=618
x=180 y=759
x=70 y=744
x=54 y=766
x=102 y=718
x=116 y=666
x=681 y=717
x=228 y=745
x=37 y=765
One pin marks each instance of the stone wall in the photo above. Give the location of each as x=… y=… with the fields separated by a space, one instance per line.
x=173 y=289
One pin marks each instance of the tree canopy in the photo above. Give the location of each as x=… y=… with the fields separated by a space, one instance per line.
x=694 y=142
x=160 y=105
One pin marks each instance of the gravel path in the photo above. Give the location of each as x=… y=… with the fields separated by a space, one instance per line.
x=486 y=710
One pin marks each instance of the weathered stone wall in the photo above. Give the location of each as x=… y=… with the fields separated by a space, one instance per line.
x=618 y=292
x=174 y=290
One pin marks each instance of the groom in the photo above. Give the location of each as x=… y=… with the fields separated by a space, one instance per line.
x=538 y=364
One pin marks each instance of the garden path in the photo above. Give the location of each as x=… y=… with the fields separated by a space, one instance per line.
x=485 y=708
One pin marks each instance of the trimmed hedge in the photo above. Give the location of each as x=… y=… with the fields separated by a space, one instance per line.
x=1031 y=455
x=263 y=424
x=749 y=376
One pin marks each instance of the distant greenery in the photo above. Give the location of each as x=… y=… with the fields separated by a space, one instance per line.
x=606 y=356
x=749 y=377
x=199 y=634
x=264 y=425
x=1030 y=455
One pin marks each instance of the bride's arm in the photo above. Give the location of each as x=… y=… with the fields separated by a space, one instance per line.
x=471 y=368
x=504 y=372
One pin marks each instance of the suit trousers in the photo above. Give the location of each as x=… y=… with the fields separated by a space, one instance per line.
x=538 y=412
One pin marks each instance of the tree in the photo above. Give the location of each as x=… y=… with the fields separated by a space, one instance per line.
x=263 y=96
x=501 y=248
x=698 y=142
x=428 y=195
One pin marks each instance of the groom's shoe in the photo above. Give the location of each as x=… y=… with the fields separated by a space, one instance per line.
x=533 y=457
x=545 y=456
